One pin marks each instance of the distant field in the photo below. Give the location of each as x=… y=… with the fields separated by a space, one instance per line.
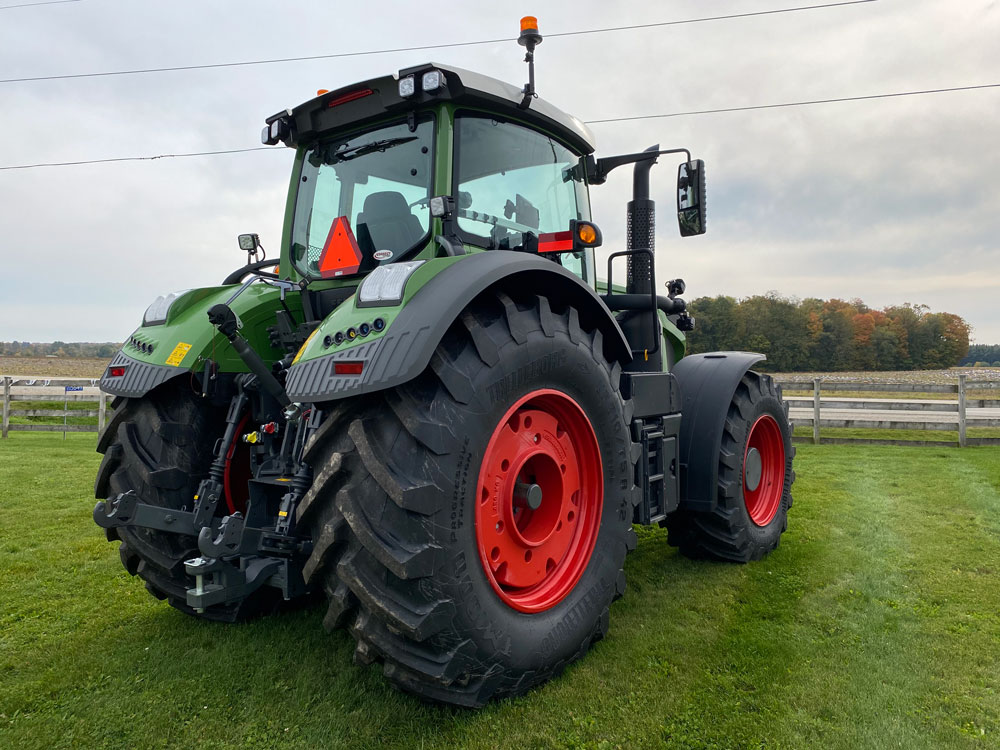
x=923 y=377
x=941 y=377
x=62 y=367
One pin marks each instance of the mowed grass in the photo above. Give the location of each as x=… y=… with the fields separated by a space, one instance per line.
x=876 y=624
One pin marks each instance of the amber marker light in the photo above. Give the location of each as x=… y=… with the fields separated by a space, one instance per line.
x=586 y=233
x=320 y=92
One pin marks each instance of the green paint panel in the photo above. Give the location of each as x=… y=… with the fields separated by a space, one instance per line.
x=349 y=315
x=187 y=324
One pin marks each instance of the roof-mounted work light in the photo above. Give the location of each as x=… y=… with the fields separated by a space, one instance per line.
x=407 y=86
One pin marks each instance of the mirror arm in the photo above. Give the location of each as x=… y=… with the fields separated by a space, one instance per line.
x=597 y=169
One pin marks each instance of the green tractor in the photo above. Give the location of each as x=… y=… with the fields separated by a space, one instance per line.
x=429 y=409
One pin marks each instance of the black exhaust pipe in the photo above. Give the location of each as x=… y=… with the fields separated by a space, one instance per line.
x=642 y=330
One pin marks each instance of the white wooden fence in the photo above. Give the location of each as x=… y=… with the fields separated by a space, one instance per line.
x=956 y=415
x=20 y=389
x=815 y=410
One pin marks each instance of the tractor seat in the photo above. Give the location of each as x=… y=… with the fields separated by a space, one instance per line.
x=390 y=223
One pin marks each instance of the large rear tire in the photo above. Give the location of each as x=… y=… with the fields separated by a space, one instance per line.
x=463 y=591
x=161 y=446
x=755 y=480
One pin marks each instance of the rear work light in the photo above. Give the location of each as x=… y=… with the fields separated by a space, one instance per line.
x=116 y=372
x=348 y=368
x=431 y=80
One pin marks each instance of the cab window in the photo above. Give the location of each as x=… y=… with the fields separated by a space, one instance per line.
x=511 y=182
x=379 y=181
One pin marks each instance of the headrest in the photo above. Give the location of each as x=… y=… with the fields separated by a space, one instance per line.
x=385 y=204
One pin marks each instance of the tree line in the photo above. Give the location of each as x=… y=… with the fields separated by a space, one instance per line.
x=103 y=350
x=829 y=335
x=982 y=355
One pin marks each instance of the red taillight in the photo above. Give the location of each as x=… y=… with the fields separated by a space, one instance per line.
x=350 y=96
x=555 y=242
x=348 y=368
x=116 y=372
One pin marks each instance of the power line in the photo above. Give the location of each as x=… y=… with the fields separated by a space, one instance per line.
x=588 y=122
x=28 y=5
x=794 y=104
x=140 y=158
x=331 y=56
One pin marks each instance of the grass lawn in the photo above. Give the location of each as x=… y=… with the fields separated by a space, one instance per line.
x=876 y=624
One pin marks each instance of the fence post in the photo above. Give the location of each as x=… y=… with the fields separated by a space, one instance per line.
x=102 y=410
x=6 y=405
x=816 y=387
x=961 y=410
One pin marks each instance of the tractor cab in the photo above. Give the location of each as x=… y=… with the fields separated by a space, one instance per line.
x=431 y=162
x=437 y=162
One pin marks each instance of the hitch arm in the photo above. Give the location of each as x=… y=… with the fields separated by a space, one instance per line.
x=126 y=510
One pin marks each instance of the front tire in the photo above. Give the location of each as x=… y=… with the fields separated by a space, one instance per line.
x=754 y=489
x=464 y=592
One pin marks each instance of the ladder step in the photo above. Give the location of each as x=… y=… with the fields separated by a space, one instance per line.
x=655 y=478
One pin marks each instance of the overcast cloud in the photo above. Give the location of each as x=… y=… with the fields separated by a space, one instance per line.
x=892 y=200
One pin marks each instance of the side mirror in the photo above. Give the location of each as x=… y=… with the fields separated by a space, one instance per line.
x=691 y=198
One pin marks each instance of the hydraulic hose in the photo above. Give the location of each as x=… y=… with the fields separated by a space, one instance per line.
x=223 y=318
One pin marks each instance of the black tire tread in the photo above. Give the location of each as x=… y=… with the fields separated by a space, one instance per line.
x=721 y=534
x=378 y=578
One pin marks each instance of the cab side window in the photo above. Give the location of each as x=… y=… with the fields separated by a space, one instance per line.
x=511 y=181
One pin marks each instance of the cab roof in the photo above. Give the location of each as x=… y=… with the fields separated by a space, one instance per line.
x=375 y=98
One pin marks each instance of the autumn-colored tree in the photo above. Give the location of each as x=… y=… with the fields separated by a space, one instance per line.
x=831 y=335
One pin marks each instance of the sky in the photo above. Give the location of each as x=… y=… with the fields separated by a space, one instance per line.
x=889 y=200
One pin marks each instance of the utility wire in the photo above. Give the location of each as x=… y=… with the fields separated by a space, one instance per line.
x=331 y=56
x=142 y=158
x=794 y=104
x=29 y=5
x=588 y=122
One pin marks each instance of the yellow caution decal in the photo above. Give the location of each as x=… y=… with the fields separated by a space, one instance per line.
x=178 y=354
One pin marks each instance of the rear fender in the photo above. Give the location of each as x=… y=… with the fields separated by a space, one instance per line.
x=154 y=354
x=707 y=384
x=445 y=287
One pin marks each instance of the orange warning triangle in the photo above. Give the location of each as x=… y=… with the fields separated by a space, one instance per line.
x=341 y=254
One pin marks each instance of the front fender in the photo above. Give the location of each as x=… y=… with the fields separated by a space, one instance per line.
x=707 y=383
x=155 y=354
x=413 y=330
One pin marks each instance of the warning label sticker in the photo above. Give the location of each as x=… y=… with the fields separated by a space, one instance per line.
x=177 y=355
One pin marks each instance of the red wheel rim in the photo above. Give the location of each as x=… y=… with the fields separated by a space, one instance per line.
x=535 y=545
x=764 y=470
